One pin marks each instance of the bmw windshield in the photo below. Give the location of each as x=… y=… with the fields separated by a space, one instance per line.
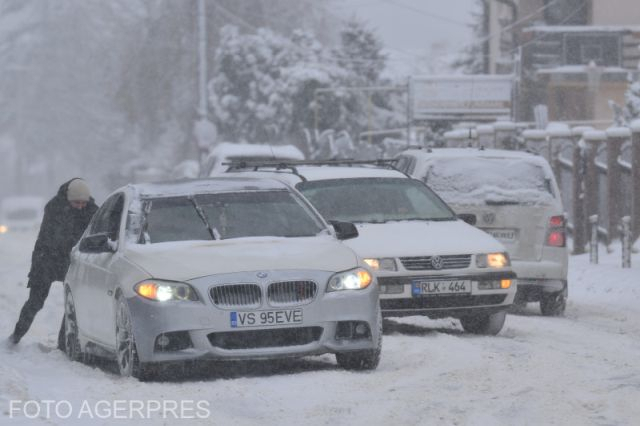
x=375 y=200
x=228 y=215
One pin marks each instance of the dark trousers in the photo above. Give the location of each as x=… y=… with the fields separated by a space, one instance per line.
x=38 y=292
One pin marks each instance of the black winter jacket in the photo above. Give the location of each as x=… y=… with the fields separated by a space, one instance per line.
x=61 y=228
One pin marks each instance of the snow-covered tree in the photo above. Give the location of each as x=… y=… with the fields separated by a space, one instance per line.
x=473 y=59
x=632 y=101
x=361 y=52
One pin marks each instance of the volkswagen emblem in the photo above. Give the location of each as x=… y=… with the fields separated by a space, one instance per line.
x=488 y=218
x=436 y=262
x=262 y=274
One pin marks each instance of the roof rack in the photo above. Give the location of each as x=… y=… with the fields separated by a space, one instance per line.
x=293 y=164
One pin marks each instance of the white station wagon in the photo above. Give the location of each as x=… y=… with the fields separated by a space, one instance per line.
x=428 y=261
x=221 y=269
x=514 y=197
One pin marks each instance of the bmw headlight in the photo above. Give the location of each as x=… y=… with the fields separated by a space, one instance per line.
x=493 y=260
x=162 y=291
x=356 y=279
x=382 y=264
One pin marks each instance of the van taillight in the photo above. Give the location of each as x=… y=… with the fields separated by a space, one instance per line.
x=556 y=236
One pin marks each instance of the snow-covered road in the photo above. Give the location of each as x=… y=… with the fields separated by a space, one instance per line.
x=579 y=370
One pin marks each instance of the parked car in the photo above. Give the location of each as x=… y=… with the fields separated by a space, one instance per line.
x=223 y=269
x=428 y=262
x=226 y=152
x=21 y=213
x=514 y=197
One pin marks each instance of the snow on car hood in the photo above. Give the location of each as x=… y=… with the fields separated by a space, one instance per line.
x=187 y=260
x=421 y=238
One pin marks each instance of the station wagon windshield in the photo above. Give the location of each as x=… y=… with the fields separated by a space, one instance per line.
x=375 y=200
x=229 y=215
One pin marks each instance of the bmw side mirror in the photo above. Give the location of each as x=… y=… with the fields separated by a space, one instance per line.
x=98 y=243
x=344 y=230
x=467 y=217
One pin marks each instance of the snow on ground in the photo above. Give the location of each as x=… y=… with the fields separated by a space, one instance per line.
x=581 y=369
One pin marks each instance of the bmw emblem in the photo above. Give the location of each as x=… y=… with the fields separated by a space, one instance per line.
x=262 y=275
x=436 y=262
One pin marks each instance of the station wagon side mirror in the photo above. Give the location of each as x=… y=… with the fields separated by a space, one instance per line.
x=98 y=243
x=344 y=230
x=467 y=217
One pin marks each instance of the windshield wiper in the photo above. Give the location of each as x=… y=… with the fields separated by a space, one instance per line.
x=501 y=202
x=215 y=235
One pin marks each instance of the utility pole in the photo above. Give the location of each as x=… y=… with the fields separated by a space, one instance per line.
x=204 y=131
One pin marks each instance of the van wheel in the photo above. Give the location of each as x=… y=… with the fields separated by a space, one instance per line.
x=489 y=325
x=553 y=304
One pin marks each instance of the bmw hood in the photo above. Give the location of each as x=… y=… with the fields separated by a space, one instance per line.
x=421 y=238
x=186 y=260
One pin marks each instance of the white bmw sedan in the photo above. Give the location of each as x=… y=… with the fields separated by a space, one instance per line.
x=226 y=269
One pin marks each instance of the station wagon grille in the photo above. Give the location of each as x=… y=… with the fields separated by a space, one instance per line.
x=230 y=295
x=425 y=263
x=291 y=292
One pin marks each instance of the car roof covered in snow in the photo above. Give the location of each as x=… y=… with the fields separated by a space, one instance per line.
x=314 y=173
x=427 y=153
x=204 y=186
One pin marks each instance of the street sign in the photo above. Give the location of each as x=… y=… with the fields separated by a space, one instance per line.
x=465 y=97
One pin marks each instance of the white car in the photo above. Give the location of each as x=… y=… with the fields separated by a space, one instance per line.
x=21 y=213
x=512 y=196
x=217 y=269
x=428 y=262
x=226 y=152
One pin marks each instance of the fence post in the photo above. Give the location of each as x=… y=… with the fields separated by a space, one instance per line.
x=505 y=134
x=593 y=139
x=635 y=179
x=578 y=190
x=536 y=142
x=626 y=242
x=486 y=136
x=616 y=137
x=593 y=245
x=558 y=133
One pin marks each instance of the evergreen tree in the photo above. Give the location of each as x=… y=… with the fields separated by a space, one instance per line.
x=473 y=59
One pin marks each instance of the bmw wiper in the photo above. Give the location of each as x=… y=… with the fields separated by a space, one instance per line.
x=215 y=235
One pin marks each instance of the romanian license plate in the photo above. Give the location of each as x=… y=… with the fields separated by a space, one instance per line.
x=265 y=318
x=422 y=287
x=506 y=235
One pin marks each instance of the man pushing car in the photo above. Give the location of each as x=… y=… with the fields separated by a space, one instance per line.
x=66 y=216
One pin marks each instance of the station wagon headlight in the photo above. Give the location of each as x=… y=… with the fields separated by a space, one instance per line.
x=162 y=291
x=356 y=279
x=493 y=260
x=382 y=264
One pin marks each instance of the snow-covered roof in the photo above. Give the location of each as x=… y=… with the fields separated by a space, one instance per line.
x=313 y=173
x=228 y=150
x=582 y=29
x=204 y=186
x=473 y=152
x=581 y=69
